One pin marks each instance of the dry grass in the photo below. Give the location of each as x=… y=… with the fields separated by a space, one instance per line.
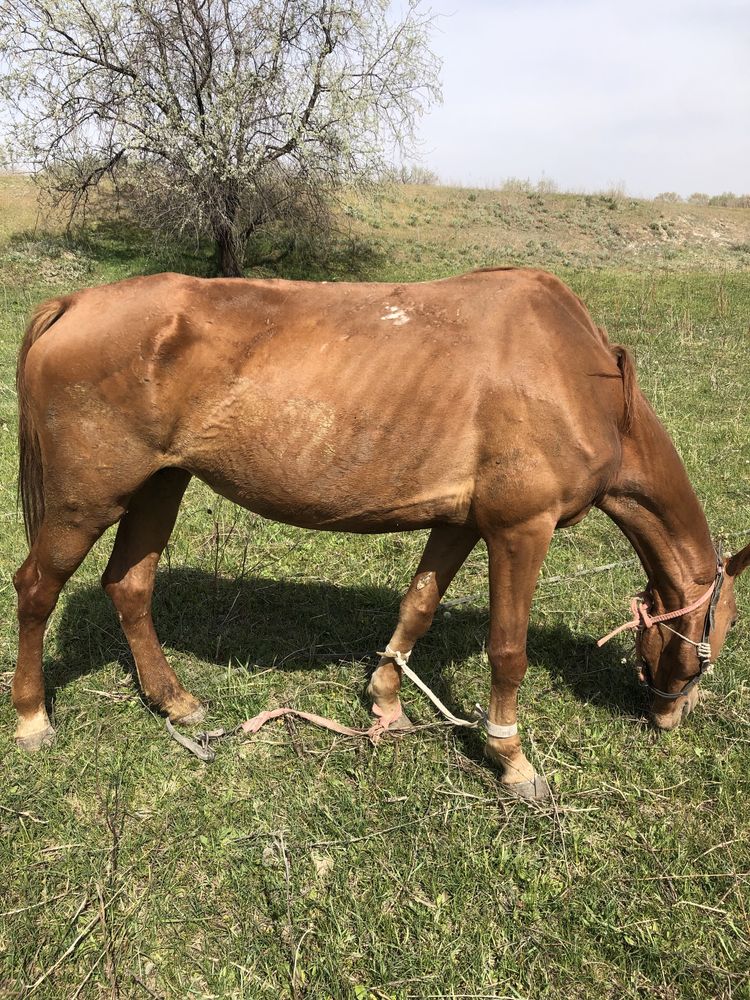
x=19 y=211
x=441 y=228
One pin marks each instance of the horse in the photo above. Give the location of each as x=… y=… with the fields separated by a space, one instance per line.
x=482 y=406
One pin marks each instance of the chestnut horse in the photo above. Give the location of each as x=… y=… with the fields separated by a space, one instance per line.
x=482 y=406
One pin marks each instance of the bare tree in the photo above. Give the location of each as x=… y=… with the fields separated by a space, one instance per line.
x=218 y=116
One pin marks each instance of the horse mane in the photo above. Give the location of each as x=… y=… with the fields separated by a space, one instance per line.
x=629 y=385
x=625 y=363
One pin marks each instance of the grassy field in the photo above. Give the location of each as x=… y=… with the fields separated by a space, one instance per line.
x=304 y=866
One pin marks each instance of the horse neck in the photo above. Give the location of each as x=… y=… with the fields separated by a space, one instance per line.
x=655 y=506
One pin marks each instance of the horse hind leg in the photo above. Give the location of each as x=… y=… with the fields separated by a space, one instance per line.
x=57 y=551
x=129 y=578
x=445 y=552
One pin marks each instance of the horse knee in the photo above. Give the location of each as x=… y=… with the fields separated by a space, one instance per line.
x=508 y=662
x=130 y=596
x=416 y=613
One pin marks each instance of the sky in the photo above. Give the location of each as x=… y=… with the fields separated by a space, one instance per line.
x=593 y=94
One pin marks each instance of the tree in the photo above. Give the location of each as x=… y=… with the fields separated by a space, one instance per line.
x=217 y=116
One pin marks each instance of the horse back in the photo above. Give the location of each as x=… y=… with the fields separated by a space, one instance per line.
x=343 y=405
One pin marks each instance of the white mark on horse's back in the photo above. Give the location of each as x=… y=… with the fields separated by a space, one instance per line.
x=397 y=316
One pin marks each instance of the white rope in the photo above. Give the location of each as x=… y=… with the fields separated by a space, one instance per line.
x=704 y=648
x=482 y=719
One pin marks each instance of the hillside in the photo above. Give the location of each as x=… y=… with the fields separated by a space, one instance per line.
x=421 y=232
x=441 y=229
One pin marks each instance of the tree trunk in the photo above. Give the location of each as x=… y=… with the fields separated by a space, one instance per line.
x=230 y=240
x=229 y=253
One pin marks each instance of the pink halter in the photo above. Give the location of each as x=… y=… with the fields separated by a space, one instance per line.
x=639 y=605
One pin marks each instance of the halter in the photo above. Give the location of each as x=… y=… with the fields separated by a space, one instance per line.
x=640 y=605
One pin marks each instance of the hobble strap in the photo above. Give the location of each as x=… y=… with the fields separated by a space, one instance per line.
x=492 y=728
x=481 y=717
x=375 y=731
x=401 y=659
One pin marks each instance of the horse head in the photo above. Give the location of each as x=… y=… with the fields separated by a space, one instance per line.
x=671 y=662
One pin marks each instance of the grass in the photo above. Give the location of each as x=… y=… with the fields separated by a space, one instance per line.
x=304 y=866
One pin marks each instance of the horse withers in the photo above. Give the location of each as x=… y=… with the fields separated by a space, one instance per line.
x=482 y=406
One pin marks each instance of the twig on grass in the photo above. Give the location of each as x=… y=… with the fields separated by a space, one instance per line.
x=544 y=581
x=114 y=695
x=291 y=729
x=577 y=575
x=25 y=815
x=465 y=996
x=399 y=826
x=697 y=876
x=280 y=844
x=109 y=952
x=34 y=906
x=88 y=976
x=701 y=906
x=555 y=811
x=303 y=935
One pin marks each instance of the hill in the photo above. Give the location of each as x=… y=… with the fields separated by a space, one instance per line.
x=414 y=232
x=431 y=230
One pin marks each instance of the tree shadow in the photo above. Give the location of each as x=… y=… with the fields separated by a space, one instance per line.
x=343 y=258
x=119 y=241
x=297 y=625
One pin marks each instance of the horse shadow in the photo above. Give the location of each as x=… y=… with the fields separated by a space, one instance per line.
x=297 y=625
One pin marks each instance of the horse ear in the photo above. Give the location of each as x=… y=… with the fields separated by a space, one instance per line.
x=739 y=562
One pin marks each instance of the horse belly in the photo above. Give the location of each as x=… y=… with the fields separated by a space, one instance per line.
x=323 y=464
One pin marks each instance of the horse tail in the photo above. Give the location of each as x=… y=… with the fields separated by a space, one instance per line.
x=629 y=386
x=30 y=468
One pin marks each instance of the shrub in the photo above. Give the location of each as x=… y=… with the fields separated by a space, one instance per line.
x=728 y=199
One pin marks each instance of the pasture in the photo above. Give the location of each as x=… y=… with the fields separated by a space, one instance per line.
x=302 y=865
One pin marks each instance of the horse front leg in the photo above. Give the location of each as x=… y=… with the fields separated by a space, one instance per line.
x=515 y=557
x=445 y=552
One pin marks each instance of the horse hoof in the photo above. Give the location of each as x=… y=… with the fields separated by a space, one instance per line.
x=536 y=790
x=35 y=741
x=403 y=724
x=192 y=718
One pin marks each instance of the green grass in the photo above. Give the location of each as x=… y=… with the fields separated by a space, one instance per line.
x=305 y=866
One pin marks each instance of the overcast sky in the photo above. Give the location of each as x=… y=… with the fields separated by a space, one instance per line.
x=593 y=93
